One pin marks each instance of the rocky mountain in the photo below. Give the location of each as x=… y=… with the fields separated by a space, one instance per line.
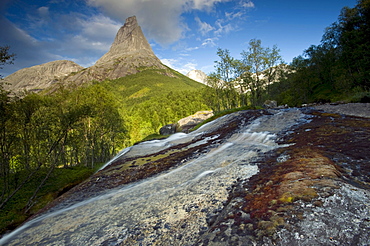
x=39 y=77
x=129 y=54
x=198 y=76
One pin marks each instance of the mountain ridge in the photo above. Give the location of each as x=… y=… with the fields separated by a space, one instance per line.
x=40 y=77
x=128 y=54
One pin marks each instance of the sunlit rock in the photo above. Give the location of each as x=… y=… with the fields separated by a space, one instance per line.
x=188 y=122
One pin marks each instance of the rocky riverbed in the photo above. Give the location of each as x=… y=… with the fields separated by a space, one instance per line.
x=265 y=177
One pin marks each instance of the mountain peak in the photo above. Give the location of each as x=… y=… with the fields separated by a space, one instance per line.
x=130 y=36
x=129 y=51
x=129 y=39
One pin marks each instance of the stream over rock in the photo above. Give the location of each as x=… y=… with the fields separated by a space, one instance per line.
x=183 y=190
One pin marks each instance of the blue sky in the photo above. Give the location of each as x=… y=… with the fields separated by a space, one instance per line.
x=183 y=34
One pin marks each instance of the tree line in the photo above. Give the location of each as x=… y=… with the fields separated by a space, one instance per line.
x=338 y=68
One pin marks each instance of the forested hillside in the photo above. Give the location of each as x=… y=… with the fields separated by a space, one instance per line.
x=149 y=100
x=50 y=141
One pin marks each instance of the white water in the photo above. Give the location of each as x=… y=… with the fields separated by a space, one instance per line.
x=172 y=199
x=121 y=153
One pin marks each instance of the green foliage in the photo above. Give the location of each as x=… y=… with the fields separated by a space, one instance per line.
x=149 y=100
x=238 y=83
x=49 y=142
x=42 y=134
x=338 y=68
x=5 y=56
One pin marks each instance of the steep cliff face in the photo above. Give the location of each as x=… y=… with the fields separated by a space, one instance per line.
x=129 y=40
x=129 y=52
x=40 y=77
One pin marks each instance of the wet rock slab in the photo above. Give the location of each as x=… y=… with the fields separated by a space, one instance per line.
x=315 y=192
x=276 y=177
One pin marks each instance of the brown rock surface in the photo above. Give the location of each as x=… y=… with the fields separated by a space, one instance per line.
x=354 y=109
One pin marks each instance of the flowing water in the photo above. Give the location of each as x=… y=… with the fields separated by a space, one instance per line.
x=171 y=208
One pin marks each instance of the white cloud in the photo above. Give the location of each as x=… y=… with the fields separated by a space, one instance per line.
x=223 y=28
x=231 y=15
x=204 y=27
x=247 y=4
x=160 y=19
x=181 y=65
x=168 y=62
x=210 y=42
x=192 y=48
x=98 y=31
x=92 y=38
x=43 y=11
x=205 y=4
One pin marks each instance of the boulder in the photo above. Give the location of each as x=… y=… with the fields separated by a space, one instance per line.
x=168 y=129
x=189 y=122
x=270 y=104
x=185 y=124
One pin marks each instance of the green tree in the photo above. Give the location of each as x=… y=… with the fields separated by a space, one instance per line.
x=339 y=65
x=353 y=31
x=263 y=68
x=234 y=80
x=5 y=56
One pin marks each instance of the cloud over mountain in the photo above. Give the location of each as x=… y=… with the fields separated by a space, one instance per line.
x=161 y=19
